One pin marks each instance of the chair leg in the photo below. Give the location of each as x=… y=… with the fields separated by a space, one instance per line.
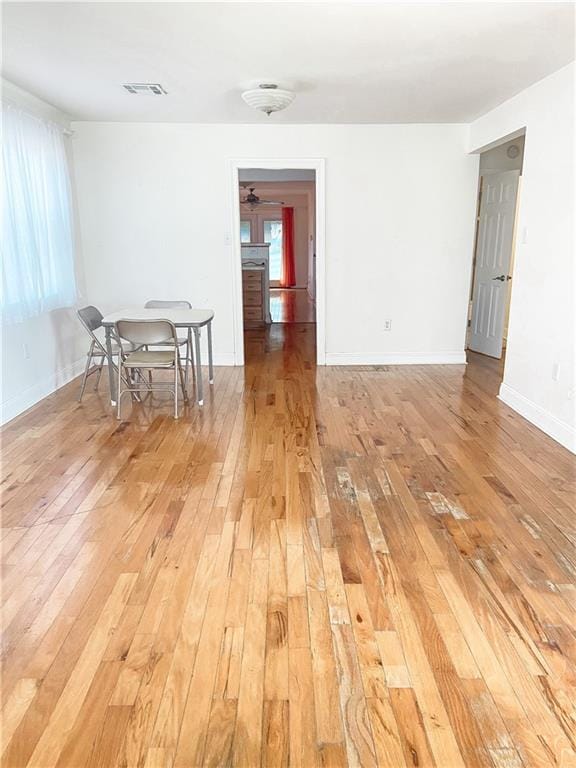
x=86 y=369
x=182 y=381
x=134 y=396
x=119 y=396
x=99 y=374
x=146 y=348
x=187 y=349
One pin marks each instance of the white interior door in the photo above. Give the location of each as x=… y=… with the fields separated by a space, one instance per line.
x=493 y=255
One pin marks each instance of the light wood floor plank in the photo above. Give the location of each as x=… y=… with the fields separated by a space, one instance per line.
x=322 y=567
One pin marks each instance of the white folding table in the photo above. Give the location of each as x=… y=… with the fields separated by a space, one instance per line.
x=191 y=319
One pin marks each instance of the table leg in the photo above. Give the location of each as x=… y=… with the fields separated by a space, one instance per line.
x=111 y=367
x=188 y=356
x=210 y=364
x=191 y=349
x=199 y=391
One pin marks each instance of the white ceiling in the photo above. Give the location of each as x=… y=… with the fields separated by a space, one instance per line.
x=348 y=62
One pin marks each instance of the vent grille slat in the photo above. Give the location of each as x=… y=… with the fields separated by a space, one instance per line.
x=145 y=89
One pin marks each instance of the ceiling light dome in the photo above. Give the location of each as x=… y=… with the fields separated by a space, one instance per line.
x=268 y=98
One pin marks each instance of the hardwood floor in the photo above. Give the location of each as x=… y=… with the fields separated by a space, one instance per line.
x=334 y=567
x=291 y=305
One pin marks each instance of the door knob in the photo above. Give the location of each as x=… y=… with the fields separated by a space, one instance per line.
x=500 y=277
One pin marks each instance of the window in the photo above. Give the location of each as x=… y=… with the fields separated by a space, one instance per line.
x=37 y=241
x=273 y=235
x=245 y=231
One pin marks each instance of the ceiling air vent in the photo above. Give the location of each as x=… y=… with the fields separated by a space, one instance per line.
x=145 y=89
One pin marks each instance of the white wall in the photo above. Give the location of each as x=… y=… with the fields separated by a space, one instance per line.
x=541 y=337
x=155 y=199
x=45 y=352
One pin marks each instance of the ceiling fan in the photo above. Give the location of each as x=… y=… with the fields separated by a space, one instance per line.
x=254 y=201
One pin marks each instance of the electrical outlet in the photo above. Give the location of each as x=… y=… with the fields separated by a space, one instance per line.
x=387 y=325
x=556 y=372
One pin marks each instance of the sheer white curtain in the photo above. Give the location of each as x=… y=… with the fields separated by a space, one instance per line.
x=37 y=240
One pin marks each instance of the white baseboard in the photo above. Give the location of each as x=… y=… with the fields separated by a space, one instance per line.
x=47 y=386
x=557 y=429
x=360 y=358
x=39 y=390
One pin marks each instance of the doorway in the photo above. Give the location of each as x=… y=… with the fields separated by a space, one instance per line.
x=278 y=248
x=493 y=263
x=277 y=224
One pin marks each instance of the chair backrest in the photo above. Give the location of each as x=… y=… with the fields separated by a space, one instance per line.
x=140 y=332
x=91 y=318
x=158 y=304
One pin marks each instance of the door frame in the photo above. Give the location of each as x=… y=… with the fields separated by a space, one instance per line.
x=278 y=164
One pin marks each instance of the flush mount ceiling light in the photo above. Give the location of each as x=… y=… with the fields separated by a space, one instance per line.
x=267 y=97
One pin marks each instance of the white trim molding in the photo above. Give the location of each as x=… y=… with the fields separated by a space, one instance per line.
x=276 y=164
x=45 y=387
x=31 y=396
x=377 y=358
x=558 y=430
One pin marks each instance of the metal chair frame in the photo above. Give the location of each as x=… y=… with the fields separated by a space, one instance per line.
x=91 y=319
x=178 y=304
x=145 y=333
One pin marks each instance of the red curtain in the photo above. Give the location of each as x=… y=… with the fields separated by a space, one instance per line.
x=288 y=265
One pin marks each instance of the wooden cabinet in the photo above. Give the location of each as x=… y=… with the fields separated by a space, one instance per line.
x=255 y=282
x=253 y=296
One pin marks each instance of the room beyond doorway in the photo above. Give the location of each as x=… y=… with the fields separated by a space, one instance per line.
x=279 y=247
